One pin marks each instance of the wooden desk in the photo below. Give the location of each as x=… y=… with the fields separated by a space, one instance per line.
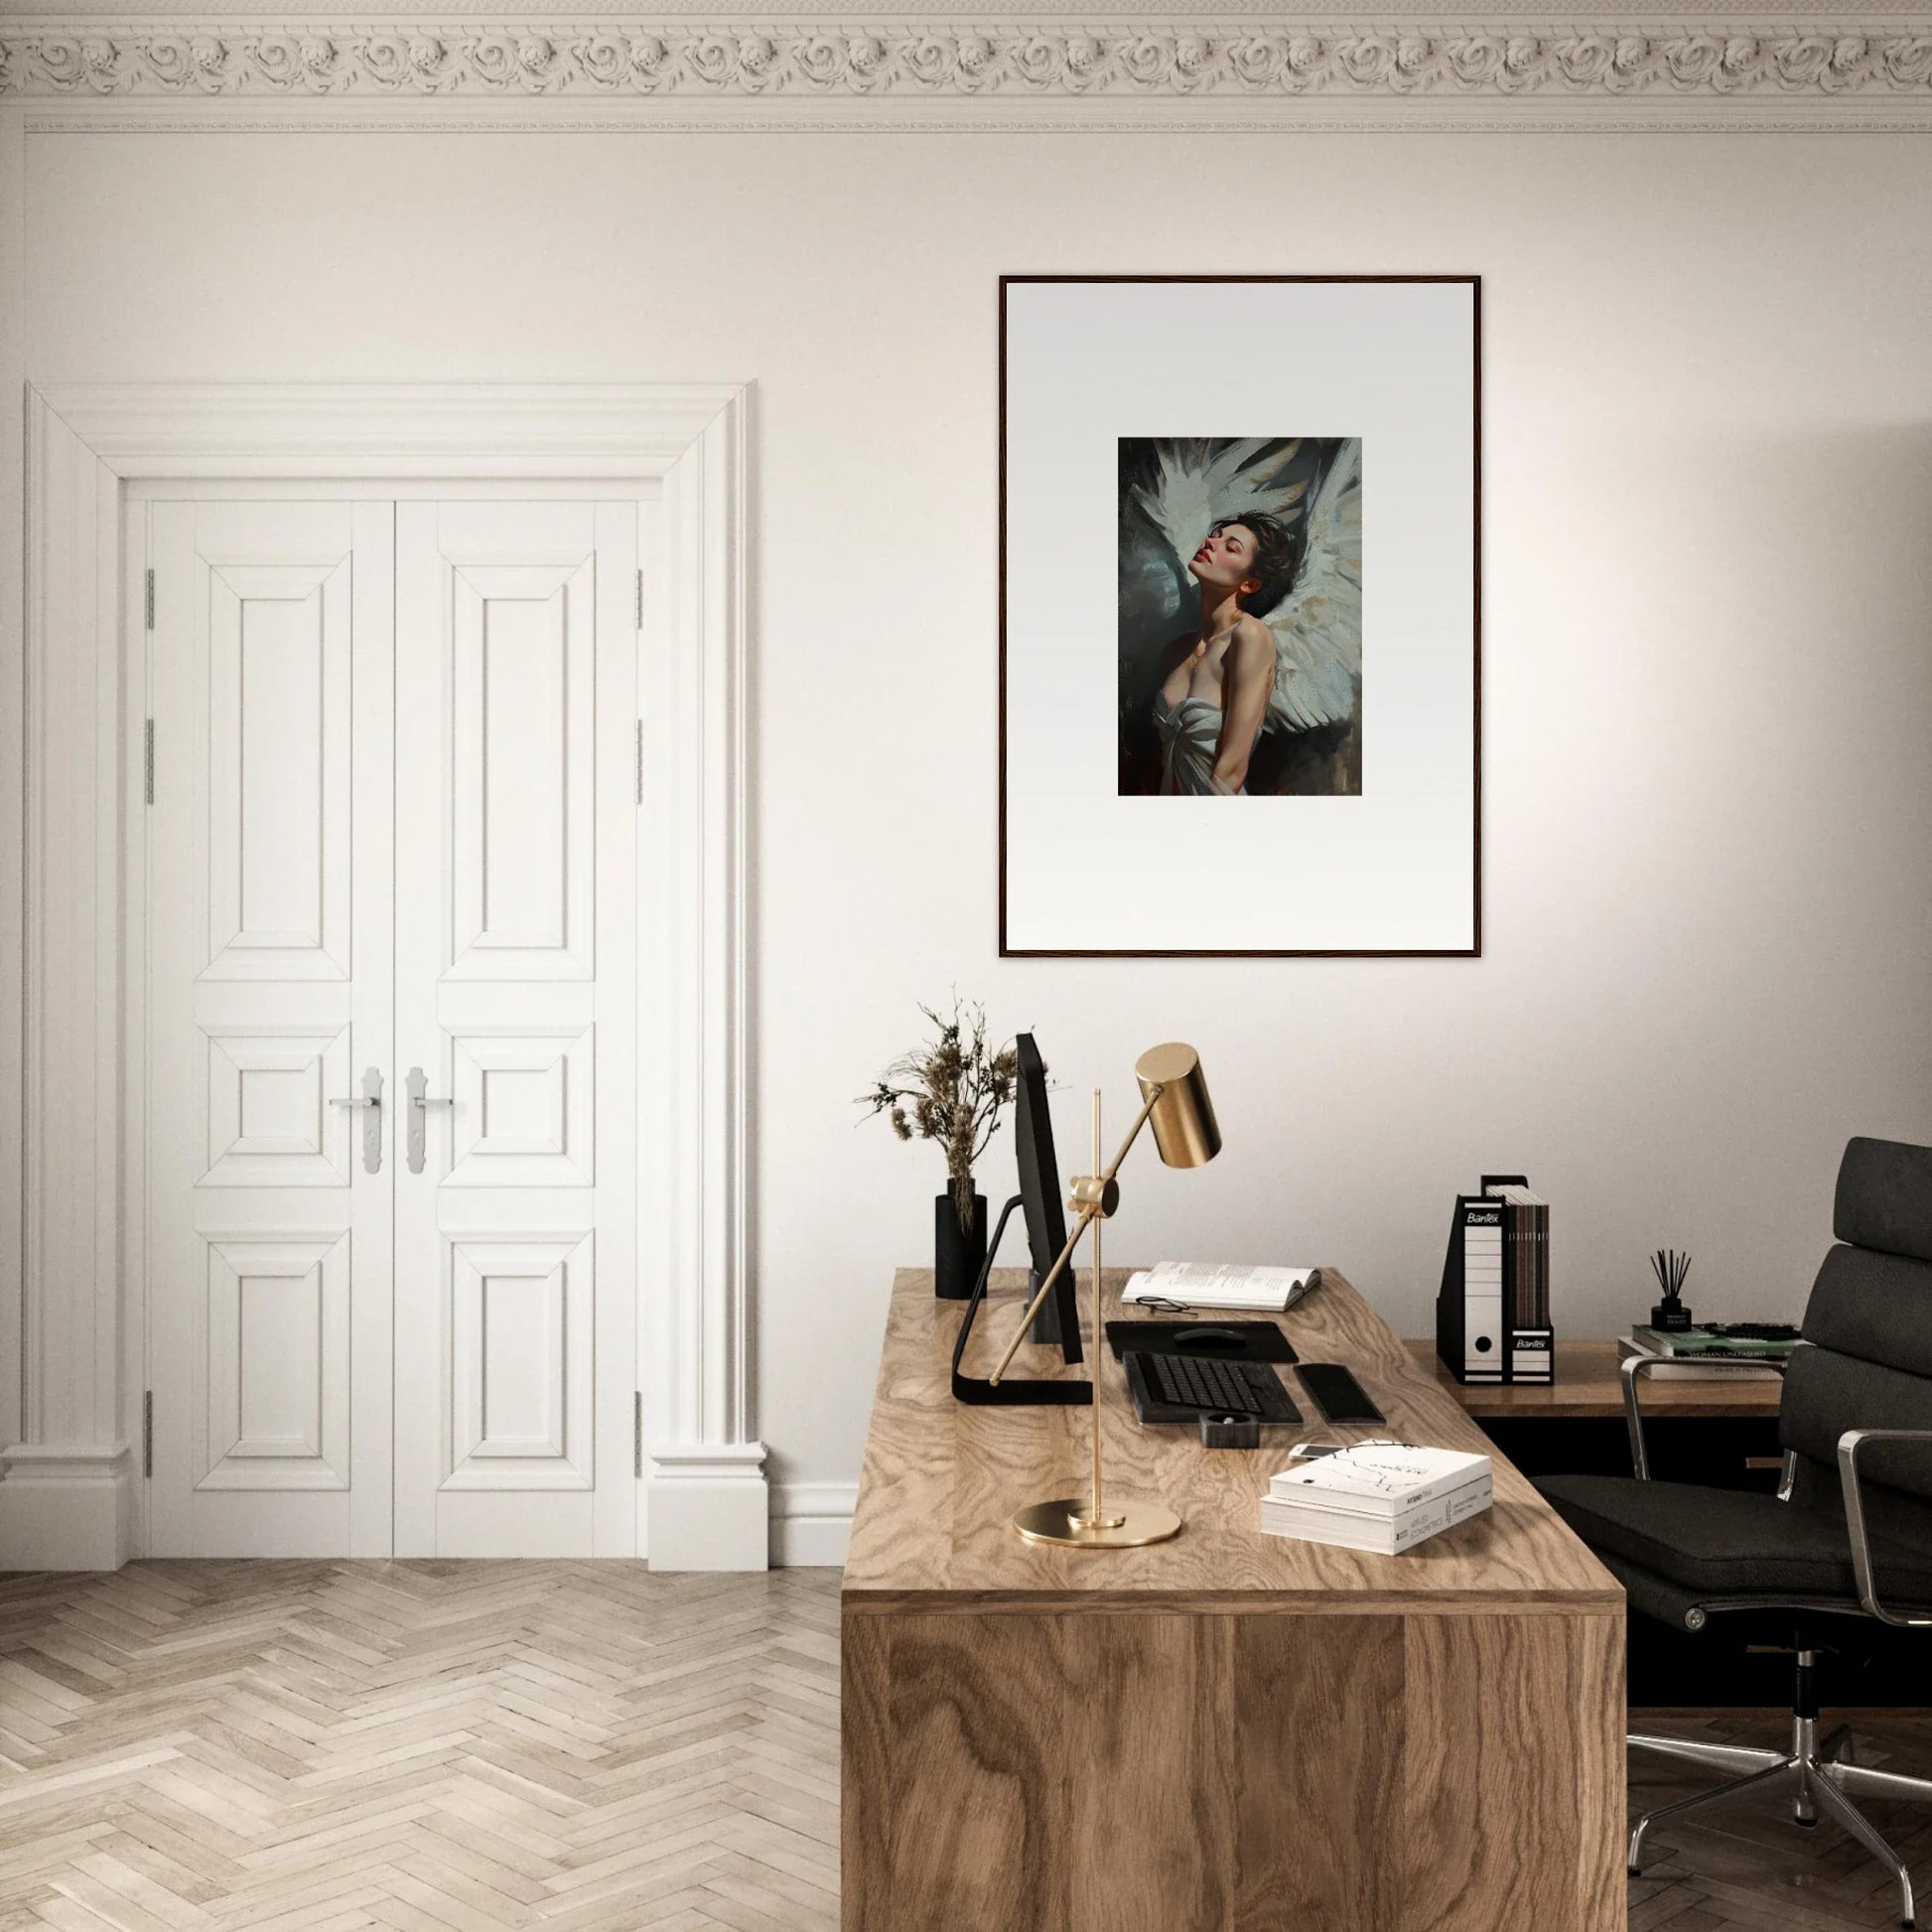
x=1587 y=1387
x=1227 y=1732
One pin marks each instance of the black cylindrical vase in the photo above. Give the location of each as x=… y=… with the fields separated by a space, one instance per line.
x=957 y=1255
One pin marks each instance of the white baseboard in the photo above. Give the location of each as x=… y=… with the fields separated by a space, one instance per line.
x=811 y=1523
x=67 y=1509
x=709 y=1507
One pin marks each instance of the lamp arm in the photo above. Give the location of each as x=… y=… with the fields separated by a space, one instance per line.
x=1133 y=1134
x=1088 y=1215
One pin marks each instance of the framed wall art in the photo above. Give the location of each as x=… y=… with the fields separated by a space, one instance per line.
x=1240 y=614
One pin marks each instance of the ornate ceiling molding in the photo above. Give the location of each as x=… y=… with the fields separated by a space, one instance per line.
x=1807 y=73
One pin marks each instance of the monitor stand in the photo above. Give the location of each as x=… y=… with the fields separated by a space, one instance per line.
x=1010 y=1391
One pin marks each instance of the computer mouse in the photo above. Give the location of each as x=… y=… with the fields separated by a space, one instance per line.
x=1207 y=1337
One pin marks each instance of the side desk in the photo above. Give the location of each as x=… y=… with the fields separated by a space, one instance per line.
x=1228 y=1732
x=1589 y=1388
x=1721 y=1434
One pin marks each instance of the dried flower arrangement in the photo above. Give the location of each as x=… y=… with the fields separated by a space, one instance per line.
x=952 y=1091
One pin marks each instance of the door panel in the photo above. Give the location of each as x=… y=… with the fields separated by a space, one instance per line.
x=522 y=716
x=522 y=1333
x=279 y=748
x=269 y=992
x=524 y=1107
x=278 y=1362
x=515 y=973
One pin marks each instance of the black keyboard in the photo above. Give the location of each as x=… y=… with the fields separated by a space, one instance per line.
x=1197 y=1387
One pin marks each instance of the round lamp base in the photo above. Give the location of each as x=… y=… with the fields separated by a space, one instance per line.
x=1130 y=1525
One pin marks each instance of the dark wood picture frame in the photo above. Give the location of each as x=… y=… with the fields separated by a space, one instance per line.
x=1474 y=950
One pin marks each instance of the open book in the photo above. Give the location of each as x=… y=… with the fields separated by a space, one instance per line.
x=1217 y=1285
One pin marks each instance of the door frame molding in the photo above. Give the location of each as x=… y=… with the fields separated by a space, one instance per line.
x=69 y=1495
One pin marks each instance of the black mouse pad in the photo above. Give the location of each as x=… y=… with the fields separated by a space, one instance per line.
x=1217 y=1342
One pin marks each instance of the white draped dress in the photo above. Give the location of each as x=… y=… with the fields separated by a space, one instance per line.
x=1190 y=732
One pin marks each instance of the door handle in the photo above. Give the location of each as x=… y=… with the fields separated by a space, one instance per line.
x=370 y=1099
x=420 y=1102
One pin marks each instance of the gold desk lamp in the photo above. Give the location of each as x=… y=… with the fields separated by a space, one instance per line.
x=1174 y=1099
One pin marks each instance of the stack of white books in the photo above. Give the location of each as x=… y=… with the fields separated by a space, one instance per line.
x=1380 y=1496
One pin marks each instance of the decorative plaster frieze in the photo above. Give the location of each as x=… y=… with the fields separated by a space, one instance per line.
x=1239 y=61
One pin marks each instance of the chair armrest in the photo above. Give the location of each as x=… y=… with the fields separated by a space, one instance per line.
x=1849 y=1445
x=1634 y=1368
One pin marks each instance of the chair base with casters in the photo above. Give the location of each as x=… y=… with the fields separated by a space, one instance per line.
x=1816 y=1775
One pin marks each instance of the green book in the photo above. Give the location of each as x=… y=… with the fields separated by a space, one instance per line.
x=1701 y=1342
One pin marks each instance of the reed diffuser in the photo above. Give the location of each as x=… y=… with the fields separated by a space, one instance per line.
x=1670 y=1315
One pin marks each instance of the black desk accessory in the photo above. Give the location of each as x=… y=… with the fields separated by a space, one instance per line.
x=1336 y=1393
x=1010 y=1391
x=1180 y=1388
x=1230 y=1431
x=1226 y=1341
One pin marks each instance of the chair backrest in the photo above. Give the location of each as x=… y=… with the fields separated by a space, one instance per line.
x=1869 y=1326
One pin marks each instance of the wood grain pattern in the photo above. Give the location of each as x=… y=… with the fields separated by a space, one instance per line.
x=865 y=1843
x=1151 y=1772
x=977 y=1780
x=1513 y=1772
x=940 y=1482
x=1318 y=1724
x=1146 y=1712
x=1587 y=1387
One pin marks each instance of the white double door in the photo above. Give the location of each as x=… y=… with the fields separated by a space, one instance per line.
x=390 y=859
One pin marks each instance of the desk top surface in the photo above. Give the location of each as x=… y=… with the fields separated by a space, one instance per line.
x=941 y=1479
x=1587 y=1386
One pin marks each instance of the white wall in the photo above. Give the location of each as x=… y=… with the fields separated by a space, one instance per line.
x=1707 y=769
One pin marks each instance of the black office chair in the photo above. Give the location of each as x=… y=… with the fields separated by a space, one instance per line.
x=1849 y=1536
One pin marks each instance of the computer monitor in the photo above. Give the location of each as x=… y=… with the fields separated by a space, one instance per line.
x=1038 y=1200
x=1039 y=1193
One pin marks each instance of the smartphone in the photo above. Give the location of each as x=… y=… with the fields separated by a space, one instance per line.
x=1337 y=1394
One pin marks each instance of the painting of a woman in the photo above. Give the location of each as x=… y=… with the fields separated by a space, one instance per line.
x=1261 y=693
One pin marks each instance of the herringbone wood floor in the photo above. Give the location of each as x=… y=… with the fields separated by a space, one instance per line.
x=456 y=1747
x=430 y=1746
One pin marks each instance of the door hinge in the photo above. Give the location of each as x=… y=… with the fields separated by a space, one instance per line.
x=637 y=1433
x=640 y=761
x=641 y=599
x=150 y=599
x=147 y=761
x=147 y=1433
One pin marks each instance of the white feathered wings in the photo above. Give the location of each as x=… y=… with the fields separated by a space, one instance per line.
x=1317 y=626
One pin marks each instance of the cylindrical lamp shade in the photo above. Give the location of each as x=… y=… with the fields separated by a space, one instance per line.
x=1185 y=1128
